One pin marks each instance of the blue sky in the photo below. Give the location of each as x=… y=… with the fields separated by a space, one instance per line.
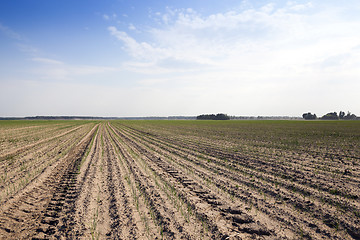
x=161 y=58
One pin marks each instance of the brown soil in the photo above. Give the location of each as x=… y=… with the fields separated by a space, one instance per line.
x=121 y=183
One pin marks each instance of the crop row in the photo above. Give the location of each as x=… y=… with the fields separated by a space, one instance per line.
x=309 y=200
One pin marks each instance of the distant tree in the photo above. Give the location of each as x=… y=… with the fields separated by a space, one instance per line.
x=219 y=116
x=350 y=116
x=330 y=116
x=309 y=116
x=341 y=114
x=205 y=117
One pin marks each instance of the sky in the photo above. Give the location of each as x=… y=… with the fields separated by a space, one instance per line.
x=170 y=58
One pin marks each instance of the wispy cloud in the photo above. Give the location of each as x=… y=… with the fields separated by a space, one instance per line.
x=46 y=61
x=53 y=70
x=109 y=17
x=23 y=47
x=299 y=7
x=9 y=32
x=132 y=27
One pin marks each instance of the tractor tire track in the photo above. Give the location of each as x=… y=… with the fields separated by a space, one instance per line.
x=223 y=220
x=22 y=217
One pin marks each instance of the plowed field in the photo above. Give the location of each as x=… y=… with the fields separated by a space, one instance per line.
x=180 y=180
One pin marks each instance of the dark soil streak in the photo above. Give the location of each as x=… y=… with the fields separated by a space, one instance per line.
x=55 y=192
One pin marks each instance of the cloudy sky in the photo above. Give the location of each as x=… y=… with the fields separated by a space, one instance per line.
x=189 y=57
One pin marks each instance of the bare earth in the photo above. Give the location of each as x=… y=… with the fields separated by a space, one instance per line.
x=108 y=181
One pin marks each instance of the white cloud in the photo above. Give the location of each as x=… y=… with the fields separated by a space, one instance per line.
x=299 y=7
x=46 y=60
x=267 y=37
x=141 y=50
x=273 y=52
x=132 y=27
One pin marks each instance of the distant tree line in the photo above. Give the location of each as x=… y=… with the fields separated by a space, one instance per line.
x=331 y=116
x=264 y=118
x=219 y=116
